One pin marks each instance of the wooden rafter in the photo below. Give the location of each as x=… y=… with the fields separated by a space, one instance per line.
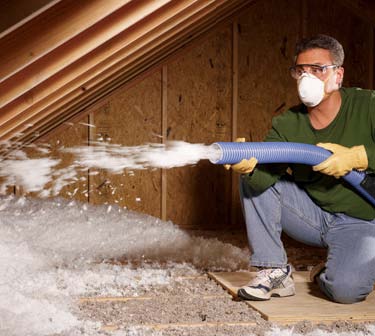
x=90 y=52
x=124 y=76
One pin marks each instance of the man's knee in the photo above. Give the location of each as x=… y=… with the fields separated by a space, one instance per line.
x=345 y=291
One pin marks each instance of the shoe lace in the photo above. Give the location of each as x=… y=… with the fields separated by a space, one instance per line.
x=276 y=274
x=262 y=275
x=264 y=272
x=269 y=274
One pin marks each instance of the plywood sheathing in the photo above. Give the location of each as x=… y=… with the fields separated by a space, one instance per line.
x=130 y=118
x=266 y=38
x=364 y=9
x=339 y=21
x=308 y=304
x=76 y=134
x=199 y=111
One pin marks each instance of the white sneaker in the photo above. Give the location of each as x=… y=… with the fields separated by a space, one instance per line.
x=267 y=283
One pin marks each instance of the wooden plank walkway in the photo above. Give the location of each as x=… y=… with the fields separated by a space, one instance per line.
x=308 y=304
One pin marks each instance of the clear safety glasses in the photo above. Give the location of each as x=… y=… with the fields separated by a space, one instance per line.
x=319 y=71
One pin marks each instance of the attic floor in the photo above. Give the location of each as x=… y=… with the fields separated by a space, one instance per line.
x=190 y=304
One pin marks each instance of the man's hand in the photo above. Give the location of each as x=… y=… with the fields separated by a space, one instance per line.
x=245 y=166
x=343 y=160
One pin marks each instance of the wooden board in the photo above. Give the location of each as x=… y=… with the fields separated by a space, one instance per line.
x=130 y=118
x=207 y=325
x=199 y=111
x=355 y=41
x=308 y=304
x=73 y=135
x=141 y=298
x=70 y=136
x=267 y=34
x=12 y=12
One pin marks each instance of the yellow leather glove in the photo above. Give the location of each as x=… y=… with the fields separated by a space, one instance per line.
x=245 y=166
x=343 y=160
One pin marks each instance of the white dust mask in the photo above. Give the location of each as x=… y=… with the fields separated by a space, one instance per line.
x=310 y=89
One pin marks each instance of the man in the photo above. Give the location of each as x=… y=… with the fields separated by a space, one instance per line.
x=312 y=204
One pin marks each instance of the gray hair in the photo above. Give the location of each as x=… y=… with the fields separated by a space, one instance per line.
x=324 y=42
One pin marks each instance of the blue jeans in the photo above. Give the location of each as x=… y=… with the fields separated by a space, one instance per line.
x=350 y=269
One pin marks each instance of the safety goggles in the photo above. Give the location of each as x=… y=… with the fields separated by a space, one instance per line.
x=319 y=71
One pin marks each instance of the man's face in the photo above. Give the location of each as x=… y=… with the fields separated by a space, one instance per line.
x=319 y=57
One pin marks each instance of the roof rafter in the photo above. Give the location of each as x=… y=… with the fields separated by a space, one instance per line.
x=76 y=68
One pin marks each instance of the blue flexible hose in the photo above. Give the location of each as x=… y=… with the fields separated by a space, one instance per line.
x=281 y=152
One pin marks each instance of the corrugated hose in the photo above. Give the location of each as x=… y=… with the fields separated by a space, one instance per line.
x=288 y=152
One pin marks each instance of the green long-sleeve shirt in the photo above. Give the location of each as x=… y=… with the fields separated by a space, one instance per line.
x=353 y=125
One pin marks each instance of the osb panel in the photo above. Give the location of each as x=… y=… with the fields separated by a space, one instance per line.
x=268 y=32
x=352 y=32
x=130 y=118
x=69 y=136
x=199 y=111
x=73 y=135
x=267 y=36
